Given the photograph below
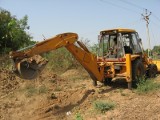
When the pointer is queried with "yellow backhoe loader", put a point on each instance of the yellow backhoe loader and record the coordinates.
(120, 56)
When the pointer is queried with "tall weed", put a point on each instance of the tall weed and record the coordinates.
(145, 86)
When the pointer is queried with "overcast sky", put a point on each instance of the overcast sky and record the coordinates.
(86, 17)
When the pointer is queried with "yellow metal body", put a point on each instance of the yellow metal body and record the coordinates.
(128, 68)
(125, 71)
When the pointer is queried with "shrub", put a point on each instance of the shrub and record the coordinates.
(103, 106)
(61, 60)
(145, 86)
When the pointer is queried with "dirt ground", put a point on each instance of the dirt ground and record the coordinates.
(65, 96)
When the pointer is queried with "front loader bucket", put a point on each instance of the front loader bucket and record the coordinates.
(30, 68)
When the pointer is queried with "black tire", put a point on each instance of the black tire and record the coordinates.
(107, 81)
(152, 71)
(137, 71)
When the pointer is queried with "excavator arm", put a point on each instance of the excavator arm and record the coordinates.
(28, 64)
(56, 42)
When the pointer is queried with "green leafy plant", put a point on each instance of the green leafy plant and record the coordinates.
(103, 106)
(61, 60)
(79, 116)
(13, 32)
(145, 86)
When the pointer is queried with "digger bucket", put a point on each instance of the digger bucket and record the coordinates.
(30, 68)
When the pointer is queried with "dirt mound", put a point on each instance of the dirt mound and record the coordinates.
(8, 82)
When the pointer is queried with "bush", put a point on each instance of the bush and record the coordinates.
(145, 86)
(103, 106)
(61, 60)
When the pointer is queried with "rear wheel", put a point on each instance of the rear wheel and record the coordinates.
(137, 71)
(107, 81)
(152, 71)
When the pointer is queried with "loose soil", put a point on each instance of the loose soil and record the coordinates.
(65, 96)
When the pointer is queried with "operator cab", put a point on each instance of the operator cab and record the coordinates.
(116, 43)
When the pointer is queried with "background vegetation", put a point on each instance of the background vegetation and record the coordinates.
(61, 60)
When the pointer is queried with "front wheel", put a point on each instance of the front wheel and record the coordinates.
(107, 81)
(137, 71)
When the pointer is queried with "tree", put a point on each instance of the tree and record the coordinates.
(156, 49)
(156, 52)
(94, 49)
(13, 33)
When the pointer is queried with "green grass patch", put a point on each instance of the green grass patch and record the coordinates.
(146, 86)
(103, 106)
(78, 116)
